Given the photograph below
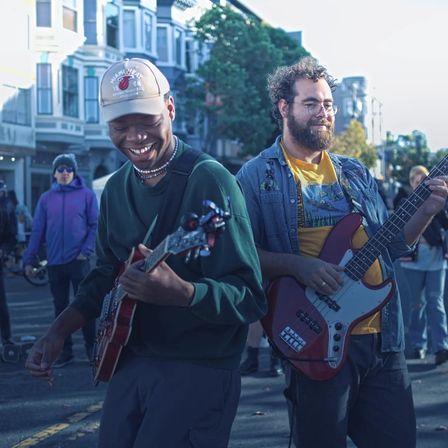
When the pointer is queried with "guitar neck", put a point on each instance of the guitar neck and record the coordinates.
(159, 254)
(364, 258)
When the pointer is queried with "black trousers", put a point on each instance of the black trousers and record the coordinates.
(369, 400)
(168, 404)
(5, 324)
(61, 276)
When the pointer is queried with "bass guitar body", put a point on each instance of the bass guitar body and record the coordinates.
(310, 330)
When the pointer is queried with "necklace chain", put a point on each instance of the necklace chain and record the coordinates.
(149, 174)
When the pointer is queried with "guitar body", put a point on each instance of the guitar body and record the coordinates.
(310, 330)
(194, 238)
(114, 329)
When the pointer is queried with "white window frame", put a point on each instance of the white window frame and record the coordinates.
(71, 5)
(48, 90)
(119, 26)
(169, 44)
(78, 91)
(153, 42)
(94, 100)
(136, 28)
(181, 62)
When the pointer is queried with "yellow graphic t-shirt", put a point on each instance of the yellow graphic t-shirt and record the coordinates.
(324, 204)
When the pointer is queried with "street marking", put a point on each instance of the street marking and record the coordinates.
(87, 429)
(42, 435)
(58, 427)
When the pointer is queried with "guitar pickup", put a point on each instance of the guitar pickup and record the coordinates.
(292, 339)
(306, 319)
(332, 304)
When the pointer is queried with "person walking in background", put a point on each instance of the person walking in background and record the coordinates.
(424, 270)
(299, 195)
(65, 220)
(8, 231)
(23, 216)
(24, 223)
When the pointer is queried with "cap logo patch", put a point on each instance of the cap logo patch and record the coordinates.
(124, 83)
(127, 83)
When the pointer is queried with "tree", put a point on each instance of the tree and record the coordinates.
(407, 151)
(353, 143)
(234, 98)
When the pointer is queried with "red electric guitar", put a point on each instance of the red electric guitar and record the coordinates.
(194, 238)
(311, 330)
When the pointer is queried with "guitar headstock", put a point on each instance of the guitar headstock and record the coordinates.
(197, 234)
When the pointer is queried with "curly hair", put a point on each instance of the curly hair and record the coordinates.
(281, 82)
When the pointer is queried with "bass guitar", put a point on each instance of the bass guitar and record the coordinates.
(195, 237)
(311, 330)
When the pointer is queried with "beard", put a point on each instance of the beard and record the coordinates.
(306, 136)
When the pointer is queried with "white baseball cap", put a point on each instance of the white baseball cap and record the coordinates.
(132, 86)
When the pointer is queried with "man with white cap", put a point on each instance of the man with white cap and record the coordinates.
(177, 382)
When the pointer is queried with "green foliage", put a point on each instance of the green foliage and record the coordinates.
(353, 143)
(405, 152)
(440, 154)
(234, 96)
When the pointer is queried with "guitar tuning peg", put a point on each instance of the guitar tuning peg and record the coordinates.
(189, 221)
(209, 204)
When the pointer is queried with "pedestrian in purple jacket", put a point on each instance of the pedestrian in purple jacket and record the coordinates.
(65, 220)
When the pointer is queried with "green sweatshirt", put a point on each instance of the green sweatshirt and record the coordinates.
(228, 291)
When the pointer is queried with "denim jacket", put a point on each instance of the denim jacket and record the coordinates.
(271, 198)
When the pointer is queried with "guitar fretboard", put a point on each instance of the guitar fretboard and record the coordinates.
(364, 258)
(158, 255)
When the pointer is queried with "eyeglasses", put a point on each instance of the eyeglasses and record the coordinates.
(61, 169)
(314, 108)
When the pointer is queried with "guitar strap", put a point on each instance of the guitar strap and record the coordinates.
(181, 169)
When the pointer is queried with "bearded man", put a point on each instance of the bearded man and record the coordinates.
(297, 192)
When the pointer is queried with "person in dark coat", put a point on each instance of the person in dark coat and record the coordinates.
(8, 229)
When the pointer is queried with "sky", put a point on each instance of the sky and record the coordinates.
(400, 46)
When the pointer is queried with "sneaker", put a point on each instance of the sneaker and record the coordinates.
(63, 360)
(441, 357)
(419, 353)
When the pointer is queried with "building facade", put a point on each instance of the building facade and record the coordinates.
(49, 102)
(350, 97)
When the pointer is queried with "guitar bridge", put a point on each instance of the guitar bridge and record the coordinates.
(292, 339)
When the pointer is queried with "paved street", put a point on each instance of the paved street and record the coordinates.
(67, 415)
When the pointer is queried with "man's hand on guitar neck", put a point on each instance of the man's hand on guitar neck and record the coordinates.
(319, 275)
(161, 286)
(438, 197)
